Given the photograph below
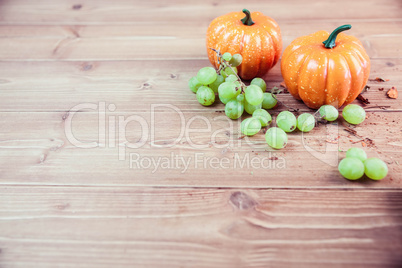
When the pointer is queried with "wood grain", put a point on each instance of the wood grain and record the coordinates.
(71, 198)
(38, 150)
(105, 12)
(199, 227)
(135, 85)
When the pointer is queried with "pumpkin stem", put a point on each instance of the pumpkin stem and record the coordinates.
(330, 42)
(247, 19)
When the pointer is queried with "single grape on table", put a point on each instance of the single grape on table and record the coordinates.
(328, 112)
(375, 168)
(351, 168)
(305, 122)
(276, 138)
(264, 117)
(356, 153)
(286, 121)
(250, 126)
(354, 114)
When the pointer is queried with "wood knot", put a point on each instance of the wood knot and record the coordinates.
(146, 85)
(65, 116)
(173, 76)
(87, 67)
(242, 201)
(62, 206)
(77, 7)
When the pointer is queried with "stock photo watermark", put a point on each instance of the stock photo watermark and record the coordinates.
(112, 133)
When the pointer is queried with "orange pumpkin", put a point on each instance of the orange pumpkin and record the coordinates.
(256, 37)
(325, 69)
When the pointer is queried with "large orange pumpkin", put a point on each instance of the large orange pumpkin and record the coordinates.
(325, 69)
(256, 37)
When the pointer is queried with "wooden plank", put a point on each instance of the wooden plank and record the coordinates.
(192, 28)
(136, 85)
(170, 41)
(100, 226)
(146, 47)
(67, 11)
(190, 149)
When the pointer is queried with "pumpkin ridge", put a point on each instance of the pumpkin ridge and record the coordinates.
(326, 78)
(307, 55)
(299, 82)
(352, 78)
(272, 61)
(339, 91)
(352, 96)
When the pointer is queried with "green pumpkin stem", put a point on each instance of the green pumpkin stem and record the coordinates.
(247, 19)
(330, 42)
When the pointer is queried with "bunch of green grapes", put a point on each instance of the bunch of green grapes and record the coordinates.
(210, 84)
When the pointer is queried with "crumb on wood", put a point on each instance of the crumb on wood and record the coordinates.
(364, 100)
(392, 93)
(379, 79)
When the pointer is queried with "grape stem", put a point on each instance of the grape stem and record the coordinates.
(290, 109)
(223, 64)
(319, 118)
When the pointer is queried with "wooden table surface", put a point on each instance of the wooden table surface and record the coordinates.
(108, 160)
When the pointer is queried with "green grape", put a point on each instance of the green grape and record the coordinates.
(269, 101)
(286, 121)
(328, 112)
(207, 75)
(234, 109)
(375, 168)
(260, 83)
(236, 60)
(240, 97)
(225, 100)
(227, 90)
(264, 117)
(227, 56)
(357, 153)
(205, 96)
(250, 108)
(354, 114)
(228, 71)
(305, 122)
(194, 84)
(231, 78)
(215, 85)
(276, 138)
(250, 126)
(351, 168)
(254, 95)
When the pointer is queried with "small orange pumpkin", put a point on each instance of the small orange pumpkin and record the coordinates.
(256, 37)
(325, 69)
